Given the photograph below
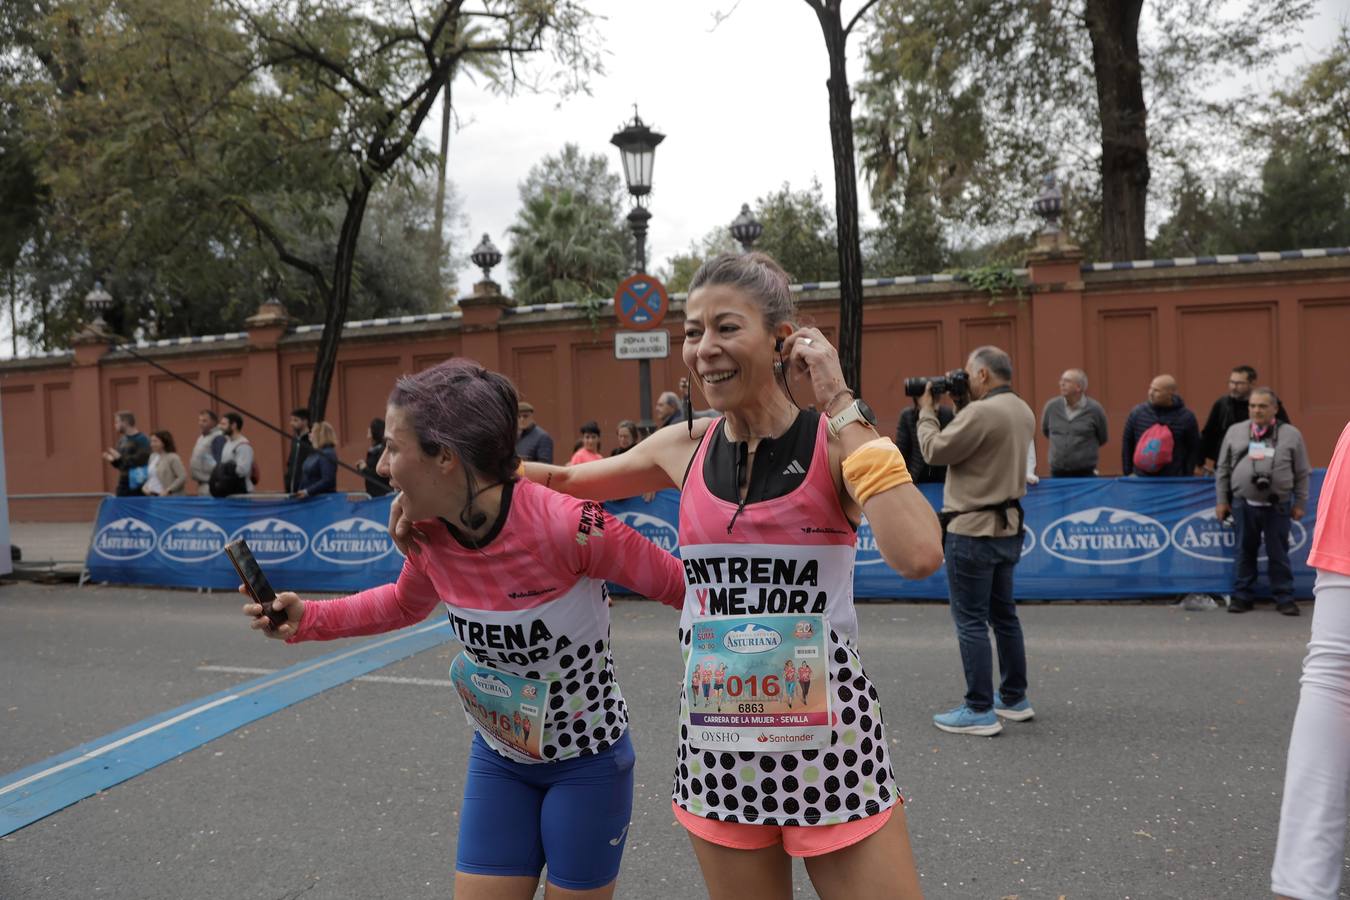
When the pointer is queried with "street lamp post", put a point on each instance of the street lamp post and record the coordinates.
(746, 229)
(637, 151)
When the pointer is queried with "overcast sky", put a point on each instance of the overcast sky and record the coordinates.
(742, 105)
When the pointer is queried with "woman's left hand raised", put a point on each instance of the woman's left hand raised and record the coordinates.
(810, 355)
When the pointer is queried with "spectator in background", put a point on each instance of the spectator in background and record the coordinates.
(206, 452)
(589, 451)
(130, 457)
(907, 439)
(235, 472)
(627, 436)
(1161, 436)
(1226, 412)
(301, 448)
(982, 518)
(668, 409)
(319, 475)
(1076, 427)
(167, 478)
(533, 443)
(1262, 478)
(376, 484)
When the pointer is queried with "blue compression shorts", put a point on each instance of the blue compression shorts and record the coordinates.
(571, 815)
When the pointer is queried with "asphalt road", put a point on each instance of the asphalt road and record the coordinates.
(1153, 768)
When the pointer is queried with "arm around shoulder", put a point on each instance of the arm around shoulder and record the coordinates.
(657, 463)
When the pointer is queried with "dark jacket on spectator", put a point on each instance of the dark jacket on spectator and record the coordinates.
(301, 448)
(133, 451)
(319, 473)
(376, 486)
(535, 445)
(907, 439)
(1185, 436)
(1223, 415)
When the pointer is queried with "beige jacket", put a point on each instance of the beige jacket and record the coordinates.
(171, 474)
(985, 451)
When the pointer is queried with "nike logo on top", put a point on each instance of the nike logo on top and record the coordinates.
(794, 468)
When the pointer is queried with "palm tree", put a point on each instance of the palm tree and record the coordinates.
(564, 249)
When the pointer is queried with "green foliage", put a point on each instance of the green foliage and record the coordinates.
(201, 155)
(1300, 195)
(799, 232)
(995, 279)
(964, 104)
(563, 249)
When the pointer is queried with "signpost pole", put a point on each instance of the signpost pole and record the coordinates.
(637, 220)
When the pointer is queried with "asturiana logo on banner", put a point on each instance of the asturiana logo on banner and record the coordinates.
(866, 545)
(192, 540)
(352, 542)
(657, 530)
(752, 638)
(123, 539)
(273, 540)
(1028, 541)
(1202, 536)
(1104, 536)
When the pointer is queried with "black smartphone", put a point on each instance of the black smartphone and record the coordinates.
(251, 574)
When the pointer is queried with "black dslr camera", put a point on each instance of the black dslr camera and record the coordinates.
(956, 382)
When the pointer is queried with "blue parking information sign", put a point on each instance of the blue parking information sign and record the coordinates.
(641, 302)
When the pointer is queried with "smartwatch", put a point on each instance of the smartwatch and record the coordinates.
(857, 411)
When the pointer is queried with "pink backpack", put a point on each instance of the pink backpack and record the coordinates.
(1154, 450)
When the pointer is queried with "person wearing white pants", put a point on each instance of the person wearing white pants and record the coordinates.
(1310, 851)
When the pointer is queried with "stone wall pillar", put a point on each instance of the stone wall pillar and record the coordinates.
(481, 341)
(1057, 336)
(262, 388)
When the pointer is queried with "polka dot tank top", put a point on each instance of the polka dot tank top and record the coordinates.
(795, 548)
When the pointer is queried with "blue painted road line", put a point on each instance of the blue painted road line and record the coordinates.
(41, 789)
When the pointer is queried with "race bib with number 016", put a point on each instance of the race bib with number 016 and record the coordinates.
(758, 683)
(507, 708)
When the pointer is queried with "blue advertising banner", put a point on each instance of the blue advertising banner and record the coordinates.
(1086, 539)
(324, 543)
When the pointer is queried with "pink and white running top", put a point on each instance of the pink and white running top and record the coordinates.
(530, 600)
(790, 553)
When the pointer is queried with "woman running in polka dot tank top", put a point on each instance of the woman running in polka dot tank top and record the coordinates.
(767, 540)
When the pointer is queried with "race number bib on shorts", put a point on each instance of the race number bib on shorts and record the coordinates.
(758, 683)
(506, 707)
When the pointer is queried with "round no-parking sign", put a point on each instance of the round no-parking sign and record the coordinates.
(641, 302)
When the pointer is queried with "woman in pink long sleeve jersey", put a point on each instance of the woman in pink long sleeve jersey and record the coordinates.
(767, 539)
(521, 571)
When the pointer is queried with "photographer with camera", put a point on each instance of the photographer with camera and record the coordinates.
(985, 451)
(1261, 478)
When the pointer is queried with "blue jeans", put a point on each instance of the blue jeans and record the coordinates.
(980, 582)
(1268, 525)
